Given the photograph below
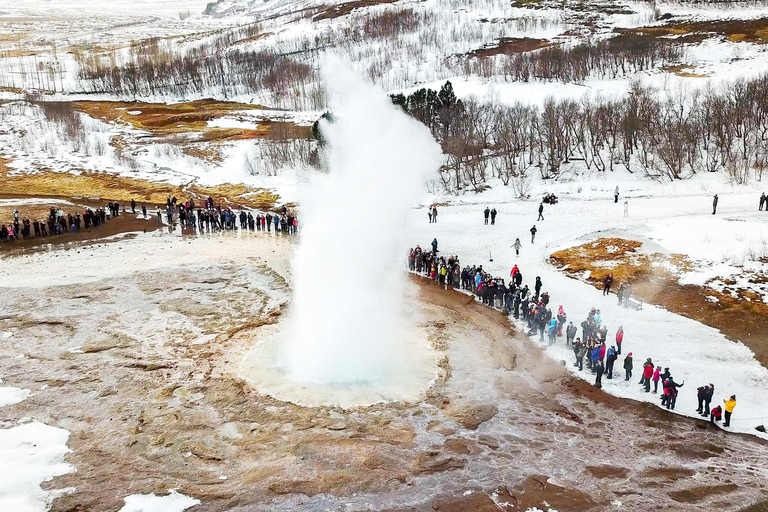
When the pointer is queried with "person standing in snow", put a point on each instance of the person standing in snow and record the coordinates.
(645, 378)
(708, 399)
(729, 406)
(429, 214)
(700, 397)
(541, 211)
(655, 378)
(570, 333)
(486, 213)
(610, 360)
(616, 195)
(533, 233)
(599, 375)
(619, 339)
(714, 205)
(493, 216)
(626, 208)
(717, 412)
(607, 284)
(434, 214)
(537, 287)
(762, 201)
(517, 245)
(434, 246)
(628, 366)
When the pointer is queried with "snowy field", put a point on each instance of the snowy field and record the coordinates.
(676, 221)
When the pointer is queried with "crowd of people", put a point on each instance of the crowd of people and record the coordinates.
(56, 223)
(209, 217)
(212, 217)
(532, 306)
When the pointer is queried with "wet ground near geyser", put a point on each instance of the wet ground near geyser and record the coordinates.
(139, 360)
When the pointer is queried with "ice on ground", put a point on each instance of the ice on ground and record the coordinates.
(10, 395)
(30, 453)
(173, 502)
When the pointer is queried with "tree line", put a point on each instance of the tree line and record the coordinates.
(661, 134)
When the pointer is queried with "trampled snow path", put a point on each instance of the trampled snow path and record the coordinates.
(695, 353)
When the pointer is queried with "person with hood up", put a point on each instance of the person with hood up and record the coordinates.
(730, 404)
(537, 287)
(655, 378)
(514, 271)
(434, 246)
(762, 201)
(715, 415)
(628, 366)
(610, 360)
(561, 317)
(552, 331)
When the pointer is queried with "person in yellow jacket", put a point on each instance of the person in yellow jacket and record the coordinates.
(729, 405)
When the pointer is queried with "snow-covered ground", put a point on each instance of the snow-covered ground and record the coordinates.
(678, 219)
(31, 453)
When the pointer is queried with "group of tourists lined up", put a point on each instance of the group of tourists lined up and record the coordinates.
(57, 223)
(532, 306)
(213, 217)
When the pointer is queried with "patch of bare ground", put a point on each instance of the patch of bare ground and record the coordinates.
(683, 70)
(112, 187)
(735, 316)
(696, 494)
(510, 46)
(750, 31)
(151, 406)
(169, 120)
(340, 10)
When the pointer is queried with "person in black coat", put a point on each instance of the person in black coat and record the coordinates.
(541, 211)
(537, 286)
(708, 392)
(599, 375)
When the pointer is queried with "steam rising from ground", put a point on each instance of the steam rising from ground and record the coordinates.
(346, 323)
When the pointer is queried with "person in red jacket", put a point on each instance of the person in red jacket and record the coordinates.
(647, 374)
(715, 415)
(619, 339)
(602, 352)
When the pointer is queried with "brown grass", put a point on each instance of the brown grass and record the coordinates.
(604, 256)
(340, 10)
(683, 70)
(751, 31)
(162, 120)
(511, 46)
(47, 183)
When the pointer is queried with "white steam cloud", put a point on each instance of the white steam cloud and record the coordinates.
(346, 318)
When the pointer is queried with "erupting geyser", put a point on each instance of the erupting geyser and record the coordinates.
(353, 334)
(346, 321)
